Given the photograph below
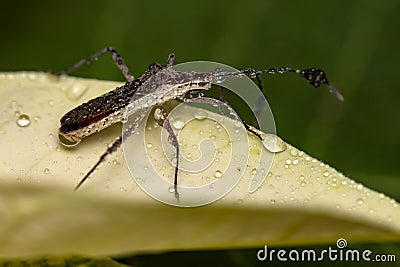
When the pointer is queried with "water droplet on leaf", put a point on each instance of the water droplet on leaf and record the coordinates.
(273, 143)
(23, 120)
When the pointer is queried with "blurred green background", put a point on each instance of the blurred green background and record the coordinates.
(355, 42)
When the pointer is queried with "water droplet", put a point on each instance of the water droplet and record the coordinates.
(254, 171)
(218, 174)
(23, 120)
(276, 194)
(360, 187)
(288, 161)
(212, 185)
(51, 102)
(66, 142)
(360, 201)
(200, 115)
(171, 189)
(371, 211)
(238, 124)
(149, 145)
(79, 158)
(178, 124)
(212, 137)
(124, 119)
(381, 196)
(295, 162)
(326, 174)
(46, 171)
(273, 143)
(76, 91)
(303, 183)
(337, 206)
(158, 116)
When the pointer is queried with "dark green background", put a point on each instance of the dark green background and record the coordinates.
(356, 42)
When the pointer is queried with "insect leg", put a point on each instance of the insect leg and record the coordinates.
(215, 101)
(170, 60)
(172, 138)
(114, 146)
(115, 56)
(221, 93)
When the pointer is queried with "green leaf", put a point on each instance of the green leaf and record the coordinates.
(302, 200)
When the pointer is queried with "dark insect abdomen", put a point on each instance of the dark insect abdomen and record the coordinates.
(97, 108)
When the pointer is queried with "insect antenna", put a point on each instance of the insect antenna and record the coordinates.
(313, 76)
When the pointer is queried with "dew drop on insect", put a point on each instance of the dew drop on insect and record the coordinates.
(158, 115)
(23, 120)
(149, 145)
(200, 115)
(360, 201)
(125, 119)
(67, 143)
(46, 171)
(254, 171)
(273, 143)
(217, 174)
